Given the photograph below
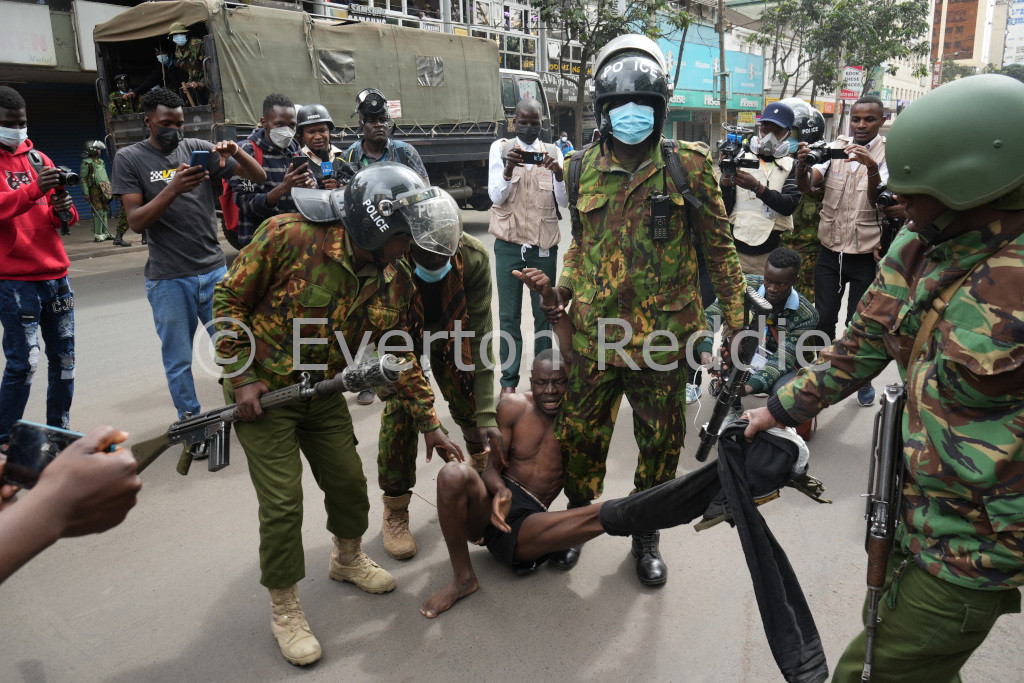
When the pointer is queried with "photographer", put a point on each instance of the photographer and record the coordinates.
(172, 201)
(83, 491)
(314, 125)
(35, 294)
(377, 144)
(849, 229)
(758, 213)
(273, 145)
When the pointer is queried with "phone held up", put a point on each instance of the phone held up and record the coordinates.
(300, 160)
(31, 448)
(200, 157)
(531, 157)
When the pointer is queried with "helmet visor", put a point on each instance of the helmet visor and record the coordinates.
(433, 218)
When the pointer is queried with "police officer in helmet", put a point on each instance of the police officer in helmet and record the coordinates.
(624, 265)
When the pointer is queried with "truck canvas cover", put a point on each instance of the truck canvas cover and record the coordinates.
(430, 76)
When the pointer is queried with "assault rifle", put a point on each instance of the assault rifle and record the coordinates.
(755, 311)
(213, 428)
(885, 491)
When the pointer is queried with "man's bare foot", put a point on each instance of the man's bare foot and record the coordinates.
(446, 597)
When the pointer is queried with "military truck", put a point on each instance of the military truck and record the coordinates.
(444, 91)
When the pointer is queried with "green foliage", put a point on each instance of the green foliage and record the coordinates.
(1011, 70)
(952, 71)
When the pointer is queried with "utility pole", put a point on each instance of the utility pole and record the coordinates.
(837, 109)
(723, 99)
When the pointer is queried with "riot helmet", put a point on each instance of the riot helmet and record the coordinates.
(986, 160)
(370, 102)
(313, 113)
(383, 200)
(94, 146)
(808, 123)
(628, 67)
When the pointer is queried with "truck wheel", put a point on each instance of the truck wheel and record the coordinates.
(480, 202)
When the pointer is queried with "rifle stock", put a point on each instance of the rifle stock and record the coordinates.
(755, 309)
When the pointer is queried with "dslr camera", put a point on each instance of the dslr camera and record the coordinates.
(820, 152)
(733, 150)
(890, 226)
(883, 197)
(67, 177)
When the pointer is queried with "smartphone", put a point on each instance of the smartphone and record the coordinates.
(300, 160)
(32, 447)
(531, 157)
(200, 157)
(837, 153)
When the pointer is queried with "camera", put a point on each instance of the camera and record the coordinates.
(733, 148)
(820, 152)
(884, 197)
(67, 177)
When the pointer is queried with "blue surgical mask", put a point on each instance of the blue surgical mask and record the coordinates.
(179, 38)
(13, 137)
(163, 59)
(632, 123)
(428, 275)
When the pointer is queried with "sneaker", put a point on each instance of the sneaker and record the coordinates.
(365, 397)
(866, 396)
(692, 393)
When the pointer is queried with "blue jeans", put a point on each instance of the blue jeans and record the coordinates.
(28, 309)
(178, 305)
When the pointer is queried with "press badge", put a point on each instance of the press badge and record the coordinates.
(768, 213)
(760, 359)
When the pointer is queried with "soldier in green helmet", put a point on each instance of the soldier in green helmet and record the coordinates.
(96, 186)
(958, 563)
(641, 274)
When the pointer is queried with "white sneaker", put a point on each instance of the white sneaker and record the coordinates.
(692, 393)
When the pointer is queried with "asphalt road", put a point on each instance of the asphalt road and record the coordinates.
(173, 593)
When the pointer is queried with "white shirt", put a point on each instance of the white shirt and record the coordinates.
(883, 168)
(498, 188)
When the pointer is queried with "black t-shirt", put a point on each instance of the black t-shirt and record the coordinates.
(183, 242)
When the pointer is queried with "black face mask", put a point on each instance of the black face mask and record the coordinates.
(528, 134)
(168, 138)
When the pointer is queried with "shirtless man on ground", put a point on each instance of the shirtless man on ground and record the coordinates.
(507, 504)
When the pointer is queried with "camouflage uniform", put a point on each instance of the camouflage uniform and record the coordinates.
(189, 58)
(804, 240)
(96, 186)
(470, 395)
(293, 269)
(963, 430)
(615, 270)
(121, 107)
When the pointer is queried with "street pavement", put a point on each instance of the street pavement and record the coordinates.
(173, 593)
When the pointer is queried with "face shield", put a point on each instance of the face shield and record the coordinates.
(433, 218)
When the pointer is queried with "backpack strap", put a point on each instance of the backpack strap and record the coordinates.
(572, 187)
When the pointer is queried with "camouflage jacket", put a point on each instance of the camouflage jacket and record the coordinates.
(119, 106)
(615, 270)
(963, 429)
(293, 270)
(190, 58)
(804, 237)
(797, 316)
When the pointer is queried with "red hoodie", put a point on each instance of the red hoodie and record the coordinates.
(30, 246)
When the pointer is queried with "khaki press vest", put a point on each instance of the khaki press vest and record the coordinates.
(849, 221)
(528, 214)
(749, 223)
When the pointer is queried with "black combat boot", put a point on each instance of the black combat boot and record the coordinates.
(649, 567)
(567, 559)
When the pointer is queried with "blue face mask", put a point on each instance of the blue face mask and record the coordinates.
(179, 38)
(632, 123)
(428, 275)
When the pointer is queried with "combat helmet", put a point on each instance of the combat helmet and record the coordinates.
(985, 159)
(631, 65)
(313, 113)
(383, 200)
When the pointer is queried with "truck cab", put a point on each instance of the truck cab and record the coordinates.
(517, 85)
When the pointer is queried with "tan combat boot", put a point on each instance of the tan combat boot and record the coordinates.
(478, 461)
(350, 563)
(398, 540)
(288, 623)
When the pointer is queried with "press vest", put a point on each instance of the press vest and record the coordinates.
(849, 221)
(751, 219)
(529, 213)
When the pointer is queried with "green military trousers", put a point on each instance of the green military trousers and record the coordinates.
(587, 420)
(928, 628)
(322, 429)
(399, 438)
